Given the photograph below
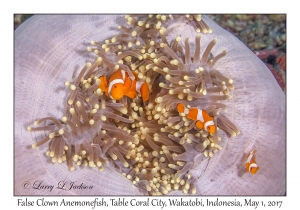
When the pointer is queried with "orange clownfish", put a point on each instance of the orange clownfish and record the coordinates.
(120, 85)
(251, 165)
(203, 120)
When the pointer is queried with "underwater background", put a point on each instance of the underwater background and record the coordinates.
(264, 34)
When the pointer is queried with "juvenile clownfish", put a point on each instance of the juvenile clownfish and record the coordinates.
(203, 120)
(251, 165)
(120, 85)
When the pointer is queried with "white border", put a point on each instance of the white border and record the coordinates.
(116, 6)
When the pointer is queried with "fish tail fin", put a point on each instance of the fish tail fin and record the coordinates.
(145, 92)
(180, 108)
(103, 84)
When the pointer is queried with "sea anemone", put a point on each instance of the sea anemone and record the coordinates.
(129, 146)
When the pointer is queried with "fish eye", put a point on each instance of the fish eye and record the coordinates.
(115, 86)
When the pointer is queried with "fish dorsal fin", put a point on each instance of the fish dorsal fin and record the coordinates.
(193, 113)
(206, 117)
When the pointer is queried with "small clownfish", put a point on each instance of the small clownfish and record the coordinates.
(203, 120)
(120, 85)
(251, 165)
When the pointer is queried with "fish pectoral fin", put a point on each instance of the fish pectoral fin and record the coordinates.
(103, 84)
(199, 124)
(131, 94)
